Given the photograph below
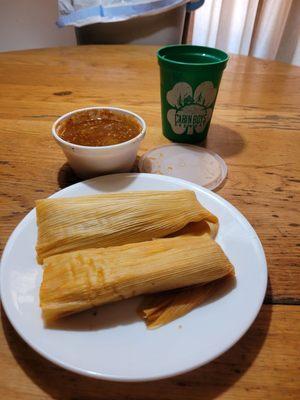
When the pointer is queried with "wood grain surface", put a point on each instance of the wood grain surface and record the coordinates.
(255, 128)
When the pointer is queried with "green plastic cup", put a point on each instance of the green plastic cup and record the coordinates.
(190, 77)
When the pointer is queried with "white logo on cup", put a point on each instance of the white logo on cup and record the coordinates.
(191, 112)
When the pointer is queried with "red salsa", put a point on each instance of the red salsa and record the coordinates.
(98, 128)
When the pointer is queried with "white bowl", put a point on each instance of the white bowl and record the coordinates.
(89, 161)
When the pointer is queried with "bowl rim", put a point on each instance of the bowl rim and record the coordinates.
(112, 146)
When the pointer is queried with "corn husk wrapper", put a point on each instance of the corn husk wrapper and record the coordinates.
(161, 308)
(79, 280)
(104, 220)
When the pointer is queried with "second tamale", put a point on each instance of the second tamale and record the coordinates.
(79, 280)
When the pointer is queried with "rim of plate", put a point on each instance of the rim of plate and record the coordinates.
(117, 378)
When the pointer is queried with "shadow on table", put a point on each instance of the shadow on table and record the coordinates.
(211, 380)
(224, 141)
(67, 177)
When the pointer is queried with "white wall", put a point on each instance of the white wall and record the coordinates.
(28, 24)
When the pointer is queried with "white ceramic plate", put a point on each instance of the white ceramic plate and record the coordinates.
(112, 342)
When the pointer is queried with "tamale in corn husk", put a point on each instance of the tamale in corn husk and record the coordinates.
(79, 280)
(161, 308)
(104, 220)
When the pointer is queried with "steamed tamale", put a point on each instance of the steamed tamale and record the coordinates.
(79, 280)
(161, 308)
(104, 220)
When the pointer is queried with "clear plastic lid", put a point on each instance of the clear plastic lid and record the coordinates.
(192, 163)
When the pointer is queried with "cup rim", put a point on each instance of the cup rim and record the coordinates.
(190, 64)
(112, 146)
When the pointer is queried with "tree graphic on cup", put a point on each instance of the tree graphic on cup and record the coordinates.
(190, 112)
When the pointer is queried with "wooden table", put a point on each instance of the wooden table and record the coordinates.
(255, 128)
